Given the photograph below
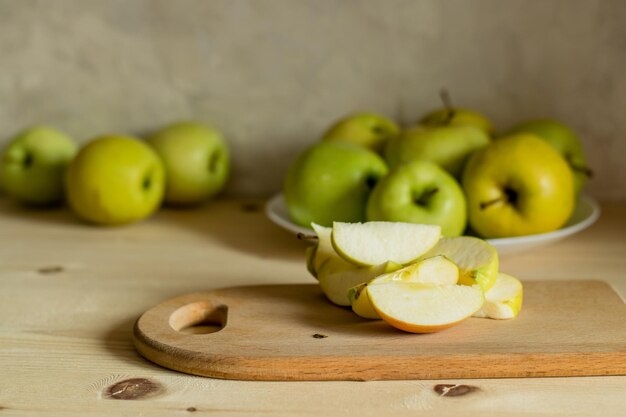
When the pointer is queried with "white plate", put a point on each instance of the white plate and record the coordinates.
(586, 213)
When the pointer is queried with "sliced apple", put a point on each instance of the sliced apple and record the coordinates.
(424, 308)
(322, 251)
(436, 270)
(336, 277)
(361, 304)
(324, 246)
(477, 260)
(503, 300)
(373, 243)
(309, 255)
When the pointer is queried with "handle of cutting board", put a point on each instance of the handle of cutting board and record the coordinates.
(197, 313)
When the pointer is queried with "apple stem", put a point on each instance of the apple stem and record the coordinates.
(582, 169)
(302, 236)
(28, 160)
(422, 200)
(444, 94)
(492, 202)
(510, 195)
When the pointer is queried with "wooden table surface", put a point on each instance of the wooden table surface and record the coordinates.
(70, 293)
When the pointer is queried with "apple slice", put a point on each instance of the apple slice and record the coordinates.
(309, 255)
(324, 246)
(424, 308)
(373, 243)
(476, 259)
(317, 255)
(360, 301)
(336, 277)
(503, 300)
(436, 270)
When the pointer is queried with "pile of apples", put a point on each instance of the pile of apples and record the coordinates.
(410, 276)
(448, 170)
(116, 179)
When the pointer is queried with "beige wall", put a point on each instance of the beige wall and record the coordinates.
(272, 74)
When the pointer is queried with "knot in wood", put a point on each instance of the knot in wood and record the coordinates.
(133, 389)
(454, 390)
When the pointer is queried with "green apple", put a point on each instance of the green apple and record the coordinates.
(476, 259)
(420, 192)
(337, 277)
(373, 243)
(195, 159)
(436, 270)
(115, 180)
(565, 141)
(449, 146)
(518, 185)
(34, 164)
(365, 129)
(457, 116)
(332, 181)
(504, 300)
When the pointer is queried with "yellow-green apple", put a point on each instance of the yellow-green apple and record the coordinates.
(503, 300)
(420, 192)
(332, 181)
(476, 259)
(457, 116)
(436, 270)
(34, 164)
(365, 129)
(373, 243)
(196, 161)
(565, 141)
(449, 146)
(518, 185)
(424, 308)
(115, 180)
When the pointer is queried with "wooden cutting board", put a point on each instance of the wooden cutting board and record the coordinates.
(291, 332)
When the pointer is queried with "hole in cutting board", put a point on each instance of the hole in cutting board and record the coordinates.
(199, 318)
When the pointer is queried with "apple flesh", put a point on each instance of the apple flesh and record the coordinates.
(518, 185)
(331, 181)
(423, 308)
(504, 300)
(336, 278)
(476, 259)
(115, 180)
(323, 251)
(420, 192)
(324, 248)
(437, 270)
(196, 162)
(365, 129)
(373, 243)
(360, 302)
(34, 165)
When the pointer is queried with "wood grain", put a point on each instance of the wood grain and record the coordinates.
(66, 336)
(290, 332)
